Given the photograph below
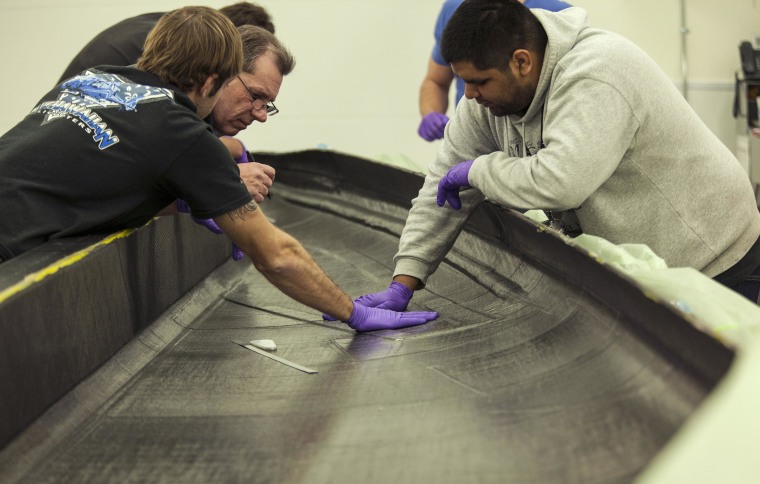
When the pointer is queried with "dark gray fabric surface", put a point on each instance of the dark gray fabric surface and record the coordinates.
(74, 317)
(524, 379)
(545, 366)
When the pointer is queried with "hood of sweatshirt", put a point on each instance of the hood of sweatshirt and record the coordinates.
(563, 28)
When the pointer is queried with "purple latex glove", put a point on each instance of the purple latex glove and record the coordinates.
(244, 157)
(209, 223)
(183, 207)
(372, 319)
(448, 187)
(395, 298)
(432, 126)
(237, 253)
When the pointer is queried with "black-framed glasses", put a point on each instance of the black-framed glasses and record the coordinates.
(259, 104)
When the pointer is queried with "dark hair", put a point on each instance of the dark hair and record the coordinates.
(245, 13)
(189, 44)
(487, 32)
(257, 41)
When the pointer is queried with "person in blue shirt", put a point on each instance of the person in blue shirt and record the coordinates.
(434, 91)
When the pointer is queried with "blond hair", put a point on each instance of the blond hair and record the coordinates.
(189, 44)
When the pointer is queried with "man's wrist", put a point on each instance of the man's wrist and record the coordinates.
(411, 282)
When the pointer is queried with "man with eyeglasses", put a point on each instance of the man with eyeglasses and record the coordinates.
(250, 97)
(257, 103)
(247, 98)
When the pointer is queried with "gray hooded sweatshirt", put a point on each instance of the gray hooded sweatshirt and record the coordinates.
(608, 143)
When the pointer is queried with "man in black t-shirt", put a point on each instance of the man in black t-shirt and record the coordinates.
(109, 149)
(122, 43)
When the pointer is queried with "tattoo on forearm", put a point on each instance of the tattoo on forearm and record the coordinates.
(241, 212)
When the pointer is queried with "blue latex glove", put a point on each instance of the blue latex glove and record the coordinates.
(209, 223)
(372, 319)
(395, 298)
(432, 126)
(448, 187)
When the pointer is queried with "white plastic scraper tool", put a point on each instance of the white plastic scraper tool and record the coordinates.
(250, 346)
(264, 344)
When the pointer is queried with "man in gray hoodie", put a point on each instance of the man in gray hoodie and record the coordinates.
(581, 123)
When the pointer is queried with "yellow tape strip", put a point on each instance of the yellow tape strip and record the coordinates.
(38, 276)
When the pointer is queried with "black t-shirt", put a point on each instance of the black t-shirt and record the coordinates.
(107, 151)
(118, 45)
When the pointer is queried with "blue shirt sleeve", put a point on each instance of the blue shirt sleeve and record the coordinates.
(551, 5)
(449, 6)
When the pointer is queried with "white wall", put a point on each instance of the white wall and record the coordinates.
(360, 62)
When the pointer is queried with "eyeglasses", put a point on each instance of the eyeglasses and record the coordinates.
(258, 104)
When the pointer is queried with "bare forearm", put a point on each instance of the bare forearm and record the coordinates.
(286, 264)
(297, 275)
(234, 146)
(411, 282)
(434, 91)
(433, 98)
(284, 261)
